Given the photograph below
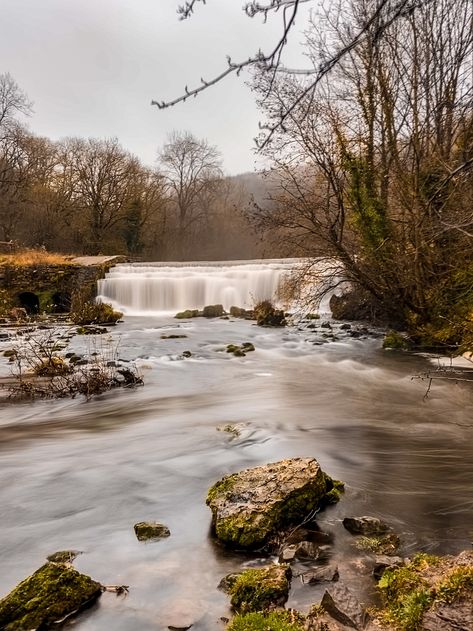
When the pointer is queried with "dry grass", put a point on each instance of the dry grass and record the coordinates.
(35, 257)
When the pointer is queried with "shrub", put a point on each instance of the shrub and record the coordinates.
(267, 315)
(96, 313)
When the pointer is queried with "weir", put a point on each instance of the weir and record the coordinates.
(145, 288)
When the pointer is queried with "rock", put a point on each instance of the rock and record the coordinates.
(339, 602)
(237, 312)
(429, 593)
(454, 616)
(396, 340)
(10, 353)
(345, 327)
(173, 336)
(307, 550)
(383, 544)
(235, 430)
(228, 581)
(18, 313)
(248, 347)
(52, 594)
(288, 553)
(186, 354)
(213, 311)
(188, 313)
(324, 574)
(250, 506)
(267, 315)
(384, 562)
(326, 325)
(365, 525)
(150, 530)
(260, 589)
(63, 556)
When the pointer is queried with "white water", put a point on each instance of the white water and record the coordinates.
(146, 288)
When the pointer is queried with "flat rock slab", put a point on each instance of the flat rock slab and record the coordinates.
(97, 260)
(248, 507)
(339, 602)
(51, 594)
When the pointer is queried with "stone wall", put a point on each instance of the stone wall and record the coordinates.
(52, 288)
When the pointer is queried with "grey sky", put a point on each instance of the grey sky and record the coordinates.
(92, 67)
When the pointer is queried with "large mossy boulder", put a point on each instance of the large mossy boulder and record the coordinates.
(51, 594)
(260, 589)
(250, 506)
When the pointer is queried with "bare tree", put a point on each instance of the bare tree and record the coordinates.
(13, 102)
(374, 165)
(192, 171)
(380, 16)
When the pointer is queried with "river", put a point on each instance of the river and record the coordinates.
(78, 475)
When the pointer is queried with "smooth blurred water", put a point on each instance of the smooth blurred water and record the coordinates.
(79, 475)
(144, 288)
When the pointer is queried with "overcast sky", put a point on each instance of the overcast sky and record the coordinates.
(91, 67)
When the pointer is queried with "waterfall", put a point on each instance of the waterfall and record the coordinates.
(145, 288)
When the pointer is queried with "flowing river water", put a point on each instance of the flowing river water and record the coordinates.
(78, 475)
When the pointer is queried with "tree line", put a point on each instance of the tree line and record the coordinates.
(373, 167)
(92, 196)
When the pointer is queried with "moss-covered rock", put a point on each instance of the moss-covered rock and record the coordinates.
(150, 530)
(213, 311)
(96, 313)
(274, 620)
(52, 593)
(260, 589)
(387, 544)
(396, 341)
(188, 313)
(250, 506)
(267, 315)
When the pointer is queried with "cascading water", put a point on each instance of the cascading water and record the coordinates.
(144, 288)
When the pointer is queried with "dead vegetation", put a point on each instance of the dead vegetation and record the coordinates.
(34, 256)
(40, 370)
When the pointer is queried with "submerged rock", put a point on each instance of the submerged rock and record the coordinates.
(382, 544)
(250, 506)
(323, 574)
(365, 525)
(63, 556)
(188, 313)
(149, 530)
(50, 595)
(260, 589)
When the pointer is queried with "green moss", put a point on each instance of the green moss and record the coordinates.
(96, 313)
(382, 544)
(52, 593)
(395, 340)
(151, 530)
(455, 584)
(407, 596)
(274, 621)
(257, 590)
(188, 313)
(252, 529)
